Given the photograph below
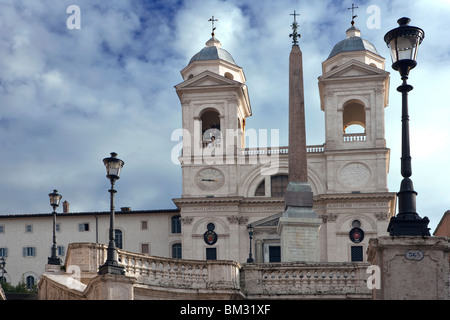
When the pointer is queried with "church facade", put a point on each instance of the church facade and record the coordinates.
(230, 190)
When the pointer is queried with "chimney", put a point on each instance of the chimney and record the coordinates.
(65, 207)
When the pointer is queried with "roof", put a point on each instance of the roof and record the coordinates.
(353, 43)
(93, 213)
(213, 51)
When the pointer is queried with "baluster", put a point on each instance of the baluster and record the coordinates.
(205, 273)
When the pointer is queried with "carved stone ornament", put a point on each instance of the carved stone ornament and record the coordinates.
(236, 219)
(328, 217)
(186, 220)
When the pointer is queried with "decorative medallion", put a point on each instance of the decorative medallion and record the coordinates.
(354, 175)
(210, 236)
(356, 235)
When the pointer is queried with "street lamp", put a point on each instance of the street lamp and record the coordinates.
(404, 42)
(55, 198)
(113, 167)
(250, 236)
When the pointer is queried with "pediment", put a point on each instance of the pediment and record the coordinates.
(206, 79)
(270, 221)
(353, 69)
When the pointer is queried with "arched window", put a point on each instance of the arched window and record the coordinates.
(118, 238)
(278, 185)
(30, 282)
(229, 75)
(176, 251)
(176, 224)
(261, 190)
(354, 118)
(210, 128)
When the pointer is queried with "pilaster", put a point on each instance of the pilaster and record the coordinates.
(410, 268)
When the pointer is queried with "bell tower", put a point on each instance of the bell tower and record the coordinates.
(215, 103)
(354, 90)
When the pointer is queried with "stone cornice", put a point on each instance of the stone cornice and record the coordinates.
(346, 197)
(227, 200)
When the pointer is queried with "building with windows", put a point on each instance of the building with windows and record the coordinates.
(26, 239)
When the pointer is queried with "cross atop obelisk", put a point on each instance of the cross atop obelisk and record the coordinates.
(294, 35)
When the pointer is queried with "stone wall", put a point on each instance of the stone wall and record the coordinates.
(305, 281)
(412, 268)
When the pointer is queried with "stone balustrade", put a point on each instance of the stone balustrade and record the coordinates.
(279, 150)
(306, 281)
(173, 273)
(355, 137)
(253, 281)
(158, 272)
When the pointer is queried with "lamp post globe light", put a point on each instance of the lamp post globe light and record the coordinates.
(111, 266)
(403, 43)
(55, 198)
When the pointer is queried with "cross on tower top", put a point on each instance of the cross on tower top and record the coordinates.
(353, 13)
(294, 14)
(294, 35)
(212, 25)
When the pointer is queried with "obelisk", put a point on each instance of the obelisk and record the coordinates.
(299, 224)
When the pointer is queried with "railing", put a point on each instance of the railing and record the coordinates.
(280, 150)
(179, 273)
(354, 137)
(268, 150)
(307, 280)
(211, 144)
(158, 271)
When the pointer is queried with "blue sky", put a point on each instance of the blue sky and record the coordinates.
(70, 97)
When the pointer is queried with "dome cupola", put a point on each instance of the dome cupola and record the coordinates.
(213, 51)
(353, 42)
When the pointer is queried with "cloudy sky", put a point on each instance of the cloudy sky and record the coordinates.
(69, 97)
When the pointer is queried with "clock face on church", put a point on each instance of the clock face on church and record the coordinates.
(209, 179)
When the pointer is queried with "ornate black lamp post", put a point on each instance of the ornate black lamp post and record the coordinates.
(250, 236)
(404, 42)
(113, 167)
(55, 198)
